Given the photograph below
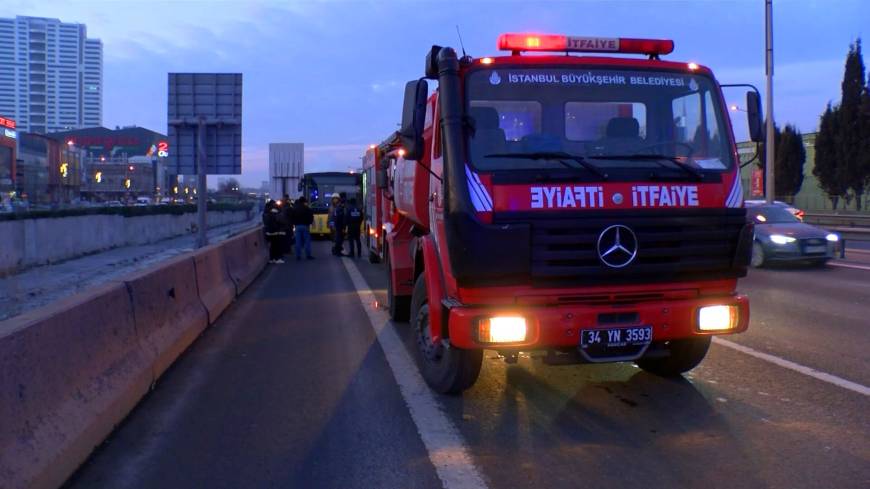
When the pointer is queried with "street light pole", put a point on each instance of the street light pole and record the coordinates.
(201, 185)
(769, 187)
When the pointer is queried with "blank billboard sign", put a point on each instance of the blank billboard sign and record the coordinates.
(215, 100)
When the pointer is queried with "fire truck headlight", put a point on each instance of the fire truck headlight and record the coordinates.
(717, 318)
(502, 329)
(832, 237)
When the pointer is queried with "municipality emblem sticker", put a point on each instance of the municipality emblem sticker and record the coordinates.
(693, 85)
(494, 79)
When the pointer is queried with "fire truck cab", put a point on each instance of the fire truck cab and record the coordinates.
(587, 207)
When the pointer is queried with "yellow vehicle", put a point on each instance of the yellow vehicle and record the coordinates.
(318, 188)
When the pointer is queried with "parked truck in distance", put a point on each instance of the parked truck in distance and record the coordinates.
(588, 207)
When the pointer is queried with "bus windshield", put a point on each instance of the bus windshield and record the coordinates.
(611, 118)
(319, 187)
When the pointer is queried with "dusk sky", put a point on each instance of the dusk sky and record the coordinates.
(331, 74)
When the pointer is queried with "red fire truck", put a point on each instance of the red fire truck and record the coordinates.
(586, 207)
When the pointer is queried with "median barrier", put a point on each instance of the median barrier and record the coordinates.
(216, 289)
(72, 370)
(169, 313)
(69, 372)
(246, 256)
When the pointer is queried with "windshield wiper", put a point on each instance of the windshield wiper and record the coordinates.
(655, 157)
(559, 156)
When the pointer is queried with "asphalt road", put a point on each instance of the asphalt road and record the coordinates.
(293, 389)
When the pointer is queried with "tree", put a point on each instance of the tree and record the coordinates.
(790, 156)
(850, 140)
(828, 167)
(865, 133)
(229, 186)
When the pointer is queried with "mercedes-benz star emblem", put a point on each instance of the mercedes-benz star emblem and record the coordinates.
(617, 246)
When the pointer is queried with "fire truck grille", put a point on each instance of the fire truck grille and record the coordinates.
(675, 245)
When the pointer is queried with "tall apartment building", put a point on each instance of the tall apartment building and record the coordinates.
(51, 75)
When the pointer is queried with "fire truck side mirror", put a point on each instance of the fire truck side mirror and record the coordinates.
(413, 116)
(381, 179)
(753, 115)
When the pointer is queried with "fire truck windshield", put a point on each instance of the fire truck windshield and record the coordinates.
(611, 118)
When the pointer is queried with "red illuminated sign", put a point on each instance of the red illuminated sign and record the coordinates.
(162, 149)
(757, 182)
(7, 123)
(106, 141)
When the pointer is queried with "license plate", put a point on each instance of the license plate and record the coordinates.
(611, 344)
(816, 249)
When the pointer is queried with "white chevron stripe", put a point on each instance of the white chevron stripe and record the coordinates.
(477, 192)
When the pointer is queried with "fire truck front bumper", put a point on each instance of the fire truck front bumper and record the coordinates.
(578, 326)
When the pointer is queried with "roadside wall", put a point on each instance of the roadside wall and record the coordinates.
(31, 242)
(71, 371)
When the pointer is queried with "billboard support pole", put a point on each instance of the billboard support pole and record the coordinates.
(201, 186)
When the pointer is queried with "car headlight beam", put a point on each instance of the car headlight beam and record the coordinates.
(780, 239)
(833, 238)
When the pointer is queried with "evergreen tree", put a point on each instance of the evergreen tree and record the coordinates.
(865, 133)
(850, 140)
(828, 168)
(789, 163)
(762, 158)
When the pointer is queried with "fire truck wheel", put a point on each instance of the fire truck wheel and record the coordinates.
(398, 305)
(685, 355)
(757, 260)
(447, 370)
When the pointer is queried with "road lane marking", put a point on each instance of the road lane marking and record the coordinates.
(443, 442)
(848, 265)
(816, 374)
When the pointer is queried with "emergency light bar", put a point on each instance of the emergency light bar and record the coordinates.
(559, 43)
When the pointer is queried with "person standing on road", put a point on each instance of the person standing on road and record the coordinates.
(339, 222)
(354, 226)
(287, 225)
(272, 228)
(303, 218)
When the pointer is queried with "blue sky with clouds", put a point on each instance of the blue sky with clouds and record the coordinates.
(330, 74)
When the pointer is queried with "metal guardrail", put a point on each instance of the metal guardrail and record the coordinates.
(838, 220)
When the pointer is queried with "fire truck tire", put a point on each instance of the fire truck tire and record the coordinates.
(447, 369)
(399, 306)
(685, 355)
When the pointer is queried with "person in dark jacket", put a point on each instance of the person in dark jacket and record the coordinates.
(287, 225)
(339, 219)
(303, 218)
(354, 217)
(272, 228)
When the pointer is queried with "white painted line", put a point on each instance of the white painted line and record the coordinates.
(857, 250)
(849, 265)
(816, 374)
(447, 450)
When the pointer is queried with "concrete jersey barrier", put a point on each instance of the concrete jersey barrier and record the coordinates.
(246, 256)
(69, 373)
(169, 313)
(216, 289)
